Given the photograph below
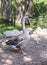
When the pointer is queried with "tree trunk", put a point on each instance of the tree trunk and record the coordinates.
(25, 6)
(6, 10)
(9, 8)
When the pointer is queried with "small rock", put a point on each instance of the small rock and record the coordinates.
(38, 31)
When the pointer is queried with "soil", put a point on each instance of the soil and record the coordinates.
(36, 53)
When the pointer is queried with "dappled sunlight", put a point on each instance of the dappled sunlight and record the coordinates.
(3, 43)
(10, 27)
(6, 56)
(27, 58)
(8, 61)
(1, 25)
(35, 53)
(11, 57)
(36, 49)
(45, 37)
(1, 51)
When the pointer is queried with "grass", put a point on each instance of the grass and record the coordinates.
(5, 26)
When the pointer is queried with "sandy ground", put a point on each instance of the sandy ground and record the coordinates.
(36, 53)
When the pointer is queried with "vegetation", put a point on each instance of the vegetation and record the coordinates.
(39, 18)
(4, 26)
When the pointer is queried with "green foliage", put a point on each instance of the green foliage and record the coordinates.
(4, 26)
(40, 8)
(40, 17)
(39, 21)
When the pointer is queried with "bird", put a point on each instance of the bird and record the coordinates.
(18, 42)
(12, 33)
(16, 33)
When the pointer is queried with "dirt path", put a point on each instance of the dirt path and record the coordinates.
(36, 54)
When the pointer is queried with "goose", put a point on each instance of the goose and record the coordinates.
(20, 44)
(15, 33)
(12, 33)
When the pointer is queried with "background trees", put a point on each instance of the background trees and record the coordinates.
(16, 9)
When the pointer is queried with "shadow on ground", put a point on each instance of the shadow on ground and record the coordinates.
(36, 54)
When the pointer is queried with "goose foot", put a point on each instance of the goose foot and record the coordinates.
(21, 51)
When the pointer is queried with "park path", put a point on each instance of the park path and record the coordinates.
(36, 53)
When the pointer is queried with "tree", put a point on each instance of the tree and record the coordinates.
(14, 10)
(25, 5)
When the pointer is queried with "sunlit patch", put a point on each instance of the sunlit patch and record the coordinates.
(1, 51)
(45, 36)
(27, 58)
(8, 62)
(10, 27)
(3, 44)
(11, 57)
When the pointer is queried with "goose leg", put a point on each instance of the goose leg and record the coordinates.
(22, 51)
